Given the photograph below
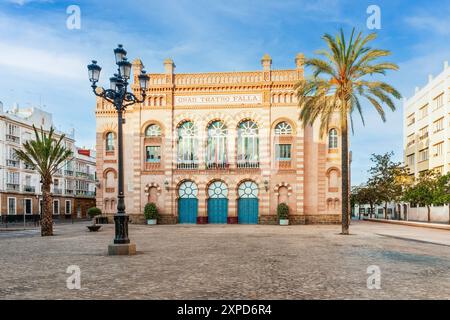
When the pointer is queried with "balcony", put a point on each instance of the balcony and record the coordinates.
(59, 172)
(152, 166)
(68, 172)
(191, 165)
(29, 189)
(13, 163)
(12, 187)
(212, 165)
(28, 167)
(70, 191)
(410, 143)
(57, 191)
(85, 193)
(284, 164)
(247, 164)
(12, 138)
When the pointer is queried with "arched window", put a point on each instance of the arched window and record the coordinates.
(283, 128)
(187, 145)
(218, 189)
(110, 141)
(248, 145)
(332, 139)
(216, 151)
(153, 130)
(188, 190)
(248, 189)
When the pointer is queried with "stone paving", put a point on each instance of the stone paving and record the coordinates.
(229, 262)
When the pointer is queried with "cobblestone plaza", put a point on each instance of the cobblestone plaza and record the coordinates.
(229, 262)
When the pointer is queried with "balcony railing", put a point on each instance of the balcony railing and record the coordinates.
(12, 187)
(284, 164)
(30, 189)
(68, 172)
(187, 165)
(152, 165)
(217, 165)
(13, 138)
(410, 143)
(57, 191)
(69, 191)
(13, 163)
(28, 167)
(85, 193)
(247, 164)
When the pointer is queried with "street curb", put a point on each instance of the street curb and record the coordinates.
(412, 223)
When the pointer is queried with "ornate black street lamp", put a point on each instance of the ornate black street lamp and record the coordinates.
(120, 98)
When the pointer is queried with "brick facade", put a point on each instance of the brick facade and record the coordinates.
(308, 180)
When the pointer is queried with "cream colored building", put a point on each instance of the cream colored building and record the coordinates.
(426, 134)
(220, 147)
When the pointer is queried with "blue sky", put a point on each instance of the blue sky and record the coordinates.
(43, 62)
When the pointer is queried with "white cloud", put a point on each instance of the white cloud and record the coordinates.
(24, 2)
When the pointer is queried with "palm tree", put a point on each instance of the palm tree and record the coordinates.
(339, 81)
(45, 154)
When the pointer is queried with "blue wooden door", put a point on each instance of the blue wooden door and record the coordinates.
(248, 211)
(217, 210)
(217, 202)
(187, 210)
(248, 203)
(187, 202)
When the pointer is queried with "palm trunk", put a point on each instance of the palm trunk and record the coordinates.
(385, 210)
(429, 213)
(47, 217)
(345, 171)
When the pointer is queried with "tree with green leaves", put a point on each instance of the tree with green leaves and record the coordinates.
(430, 188)
(339, 80)
(388, 178)
(46, 153)
(367, 194)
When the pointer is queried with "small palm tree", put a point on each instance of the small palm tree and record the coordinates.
(45, 154)
(338, 82)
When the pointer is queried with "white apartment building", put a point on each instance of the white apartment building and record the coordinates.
(426, 134)
(73, 186)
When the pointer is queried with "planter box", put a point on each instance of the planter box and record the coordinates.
(151, 222)
(93, 228)
(284, 222)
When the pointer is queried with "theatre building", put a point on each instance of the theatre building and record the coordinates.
(220, 147)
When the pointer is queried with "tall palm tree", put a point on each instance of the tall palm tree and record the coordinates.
(45, 154)
(339, 80)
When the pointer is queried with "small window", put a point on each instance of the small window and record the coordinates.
(153, 130)
(332, 139)
(283, 151)
(283, 128)
(152, 154)
(110, 141)
(68, 207)
(56, 207)
(27, 206)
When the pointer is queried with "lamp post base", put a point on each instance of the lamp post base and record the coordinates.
(127, 249)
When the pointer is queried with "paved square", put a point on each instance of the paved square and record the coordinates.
(229, 262)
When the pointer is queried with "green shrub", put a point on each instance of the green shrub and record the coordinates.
(94, 211)
(283, 211)
(151, 211)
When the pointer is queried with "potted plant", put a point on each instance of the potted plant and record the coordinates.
(151, 213)
(283, 214)
(93, 213)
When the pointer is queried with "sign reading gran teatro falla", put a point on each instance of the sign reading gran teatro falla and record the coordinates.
(218, 99)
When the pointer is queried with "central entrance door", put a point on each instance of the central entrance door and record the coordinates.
(217, 202)
(248, 203)
(187, 202)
